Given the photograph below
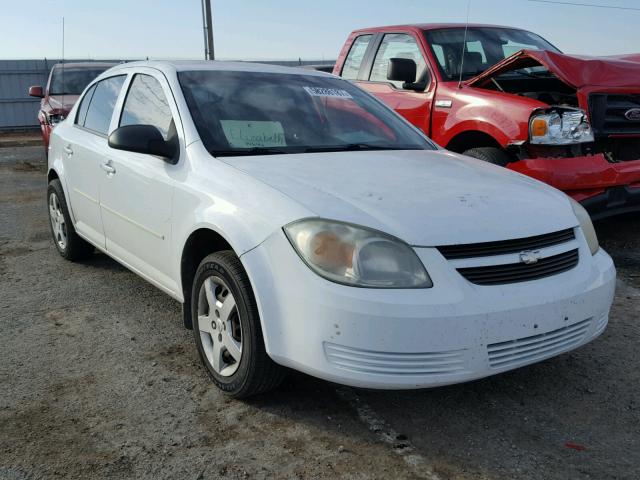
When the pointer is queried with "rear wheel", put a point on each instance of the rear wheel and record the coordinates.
(227, 329)
(69, 245)
(494, 155)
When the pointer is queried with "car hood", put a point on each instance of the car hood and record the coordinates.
(576, 71)
(62, 103)
(426, 198)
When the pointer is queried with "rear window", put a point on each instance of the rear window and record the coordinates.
(354, 59)
(103, 102)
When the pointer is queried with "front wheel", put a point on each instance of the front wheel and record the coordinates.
(227, 330)
(494, 155)
(69, 245)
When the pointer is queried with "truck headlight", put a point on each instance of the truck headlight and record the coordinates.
(586, 225)
(54, 119)
(356, 256)
(560, 127)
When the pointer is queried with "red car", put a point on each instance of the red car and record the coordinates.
(510, 97)
(66, 82)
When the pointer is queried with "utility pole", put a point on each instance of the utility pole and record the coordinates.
(207, 25)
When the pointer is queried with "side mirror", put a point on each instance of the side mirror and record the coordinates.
(401, 70)
(36, 91)
(144, 139)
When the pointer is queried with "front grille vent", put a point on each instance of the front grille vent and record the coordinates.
(512, 353)
(521, 272)
(486, 249)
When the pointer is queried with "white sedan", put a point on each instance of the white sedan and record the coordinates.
(303, 224)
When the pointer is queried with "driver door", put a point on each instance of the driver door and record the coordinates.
(413, 105)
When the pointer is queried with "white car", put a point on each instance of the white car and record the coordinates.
(303, 224)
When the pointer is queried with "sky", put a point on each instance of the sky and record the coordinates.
(286, 29)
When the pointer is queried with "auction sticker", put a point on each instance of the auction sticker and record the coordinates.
(327, 92)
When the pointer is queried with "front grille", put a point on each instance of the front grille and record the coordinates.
(607, 112)
(521, 272)
(395, 363)
(536, 347)
(486, 249)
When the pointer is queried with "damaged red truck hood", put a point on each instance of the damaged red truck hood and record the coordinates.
(576, 71)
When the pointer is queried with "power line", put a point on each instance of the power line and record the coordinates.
(578, 4)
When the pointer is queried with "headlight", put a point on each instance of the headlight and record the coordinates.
(586, 225)
(356, 256)
(562, 127)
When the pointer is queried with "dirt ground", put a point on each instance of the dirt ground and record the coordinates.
(98, 379)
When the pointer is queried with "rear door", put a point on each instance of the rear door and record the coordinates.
(85, 147)
(136, 197)
(414, 105)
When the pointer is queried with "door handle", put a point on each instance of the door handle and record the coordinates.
(107, 167)
(68, 150)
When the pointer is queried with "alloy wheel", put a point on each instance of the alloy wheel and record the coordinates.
(219, 326)
(58, 224)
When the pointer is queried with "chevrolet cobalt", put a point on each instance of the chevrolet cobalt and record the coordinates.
(303, 224)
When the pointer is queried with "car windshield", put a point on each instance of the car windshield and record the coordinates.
(71, 82)
(258, 113)
(483, 48)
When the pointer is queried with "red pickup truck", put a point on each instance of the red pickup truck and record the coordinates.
(510, 97)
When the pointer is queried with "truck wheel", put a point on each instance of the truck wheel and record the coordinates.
(227, 331)
(494, 155)
(69, 245)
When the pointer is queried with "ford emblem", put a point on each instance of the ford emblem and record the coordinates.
(633, 114)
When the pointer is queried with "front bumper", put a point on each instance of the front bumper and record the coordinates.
(401, 339)
(585, 178)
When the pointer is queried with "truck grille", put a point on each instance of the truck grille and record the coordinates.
(608, 114)
(521, 272)
(486, 249)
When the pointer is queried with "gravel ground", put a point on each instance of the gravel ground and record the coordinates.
(98, 379)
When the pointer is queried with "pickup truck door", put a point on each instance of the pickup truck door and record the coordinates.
(136, 193)
(414, 105)
(84, 146)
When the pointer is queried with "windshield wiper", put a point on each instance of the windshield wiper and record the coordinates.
(354, 147)
(250, 151)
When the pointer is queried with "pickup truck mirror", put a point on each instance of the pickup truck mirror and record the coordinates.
(36, 91)
(401, 70)
(144, 139)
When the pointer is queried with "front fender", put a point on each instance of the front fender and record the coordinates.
(503, 116)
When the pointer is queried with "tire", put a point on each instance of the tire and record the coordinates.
(219, 329)
(494, 155)
(68, 243)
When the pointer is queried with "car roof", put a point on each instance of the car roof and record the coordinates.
(85, 65)
(215, 65)
(431, 26)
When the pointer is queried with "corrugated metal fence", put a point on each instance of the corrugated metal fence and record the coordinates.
(19, 110)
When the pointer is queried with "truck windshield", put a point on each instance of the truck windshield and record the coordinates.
(70, 81)
(259, 113)
(484, 47)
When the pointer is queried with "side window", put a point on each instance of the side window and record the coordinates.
(146, 104)
(397, 45)
(354, 59)
(84, 106)
(102, 104)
